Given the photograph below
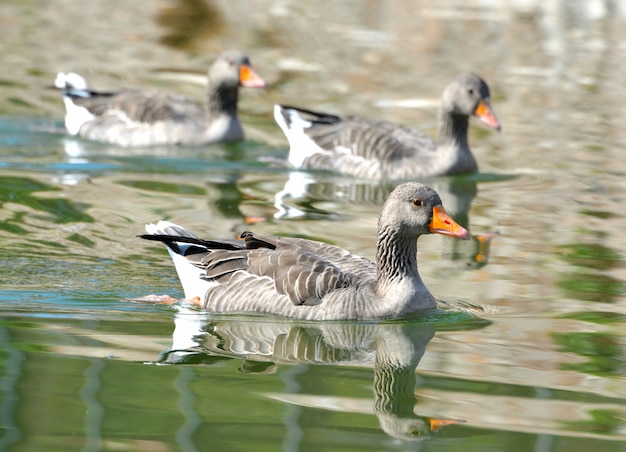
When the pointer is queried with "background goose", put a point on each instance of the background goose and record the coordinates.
(304, 279)
(377, 149)
(145, 118)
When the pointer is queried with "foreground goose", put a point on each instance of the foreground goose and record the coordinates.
(310, 280)
(377, 149)
(144, 118)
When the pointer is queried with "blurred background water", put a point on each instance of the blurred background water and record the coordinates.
(535, 361)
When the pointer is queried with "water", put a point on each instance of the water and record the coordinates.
(528, 351)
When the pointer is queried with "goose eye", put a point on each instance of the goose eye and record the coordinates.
(471, 91)
(417, 202)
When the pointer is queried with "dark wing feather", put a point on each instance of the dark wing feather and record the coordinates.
(219, 263)
(143, 106)
(254, 241)
(354, 267)
(303, 270)
(204, 245)
(297, 272)
(315, 117)
(96, 103)
(371, 140)
(290, 263)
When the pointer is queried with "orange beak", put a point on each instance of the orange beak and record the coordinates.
(483, 247)
(249, 78)
(442, 223)
(484, 112)
(436, 424)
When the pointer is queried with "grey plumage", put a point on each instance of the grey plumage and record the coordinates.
(312, 280)
(135, 117)
(378, 149)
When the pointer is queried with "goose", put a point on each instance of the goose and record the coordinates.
(133, 118)
(309, 280)
(371, 149)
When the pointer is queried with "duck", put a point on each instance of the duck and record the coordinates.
(310, 280)
(138, 118)
(374, 149)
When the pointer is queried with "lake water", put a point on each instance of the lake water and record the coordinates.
(529, 350)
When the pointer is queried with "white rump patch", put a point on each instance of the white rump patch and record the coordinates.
(301, 146)
(75, 116)
(189, 274)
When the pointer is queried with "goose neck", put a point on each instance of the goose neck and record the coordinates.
(453, 129)
(396, 257)
(221, 100)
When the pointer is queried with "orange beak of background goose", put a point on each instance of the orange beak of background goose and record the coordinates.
(442, 223)
(249, 78)
(484, 112)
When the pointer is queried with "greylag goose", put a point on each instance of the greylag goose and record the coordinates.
(310, 280)
(383, 150)
(133, 117)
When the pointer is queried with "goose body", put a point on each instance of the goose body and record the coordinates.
(370, 149)
(133, 117)
(311, 280)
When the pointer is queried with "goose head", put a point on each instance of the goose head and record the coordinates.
(414, 209)
(233, 69)
(468, 96)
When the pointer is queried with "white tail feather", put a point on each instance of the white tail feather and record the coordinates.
(190, 276)
(70, 81)
(73, 84)
(300, 145)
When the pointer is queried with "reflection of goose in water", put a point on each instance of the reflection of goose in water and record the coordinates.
(393, 349)
(304, 192)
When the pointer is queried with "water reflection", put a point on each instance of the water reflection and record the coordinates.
(21, 191)
(303, 192)
(588, 278)
(188, 23)
(12, 359)
(393, 349)
(602, 352)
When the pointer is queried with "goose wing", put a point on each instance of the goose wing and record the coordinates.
(368, 139)
(303, 270)
(142, 106)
